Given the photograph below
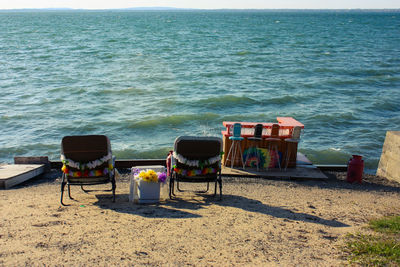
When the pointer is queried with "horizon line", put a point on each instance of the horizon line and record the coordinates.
(194, 9)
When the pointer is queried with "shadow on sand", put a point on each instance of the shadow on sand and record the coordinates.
(183, 208)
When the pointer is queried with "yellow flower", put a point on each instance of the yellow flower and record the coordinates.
(153, 177)
(148, 176)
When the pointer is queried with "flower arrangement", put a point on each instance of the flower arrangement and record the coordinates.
(149, 176)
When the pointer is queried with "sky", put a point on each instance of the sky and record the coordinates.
(203, 4)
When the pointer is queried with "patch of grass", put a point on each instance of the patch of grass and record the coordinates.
(381, 249)
(389, 225)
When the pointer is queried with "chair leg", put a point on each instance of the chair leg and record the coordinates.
(233, 157)
(248, 154)
(270, 149)
(258, 155)
(241, 155)
(220, 186)
(205, 191)
(287, 157)
(69, 192)
(277, 156)
(177, 187)
(274, 149)
(103, 190)
(170, 188)
(63, 183)
(227, 157)
(114, 186)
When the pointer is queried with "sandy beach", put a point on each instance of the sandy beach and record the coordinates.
(258, 223)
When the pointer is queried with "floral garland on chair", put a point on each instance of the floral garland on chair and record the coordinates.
(84, 168)
(196, 163)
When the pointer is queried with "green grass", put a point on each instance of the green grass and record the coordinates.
(380, 249)
(389, 225)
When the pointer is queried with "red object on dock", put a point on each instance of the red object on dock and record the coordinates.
(355, 169)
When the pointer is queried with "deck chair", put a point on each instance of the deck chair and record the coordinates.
(196, 160)
(87, 160)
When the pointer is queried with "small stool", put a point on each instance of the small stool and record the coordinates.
(294, 140)
(236, 145)
(255, 140)
(273, 142)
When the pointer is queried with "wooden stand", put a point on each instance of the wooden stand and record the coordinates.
(286, 125)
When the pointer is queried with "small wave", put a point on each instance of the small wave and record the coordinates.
(125, 91)
(226, 101)
(243, 53)
(173, 120)
(386, 105)
(372, 72)
(71, 91)
(254, 117)
(51, 150)
(333, 118)
(326, 156)
(287, 99)
(218, 74)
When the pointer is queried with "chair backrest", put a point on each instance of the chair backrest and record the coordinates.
(198, 148)
(296, 132)
(258, 129)
(237, 129)
(85, 148)
(275, 131)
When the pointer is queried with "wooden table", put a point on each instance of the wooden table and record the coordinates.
(286, 126)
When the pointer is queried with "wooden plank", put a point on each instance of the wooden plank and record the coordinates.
(310, 172)
(11, 175)
(34, 160)
(289, 121)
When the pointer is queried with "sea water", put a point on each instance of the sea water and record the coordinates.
(144, 78)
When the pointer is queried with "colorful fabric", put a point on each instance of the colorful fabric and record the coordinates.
(87, 172)
(195, 172)
(266, 158)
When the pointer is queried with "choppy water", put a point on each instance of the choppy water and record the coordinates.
(144, 78)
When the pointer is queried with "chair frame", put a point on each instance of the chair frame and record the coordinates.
(236, 147)
(82, 181)
(294, 139)
(215, 178)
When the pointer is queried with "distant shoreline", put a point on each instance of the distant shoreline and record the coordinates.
(358, 10)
